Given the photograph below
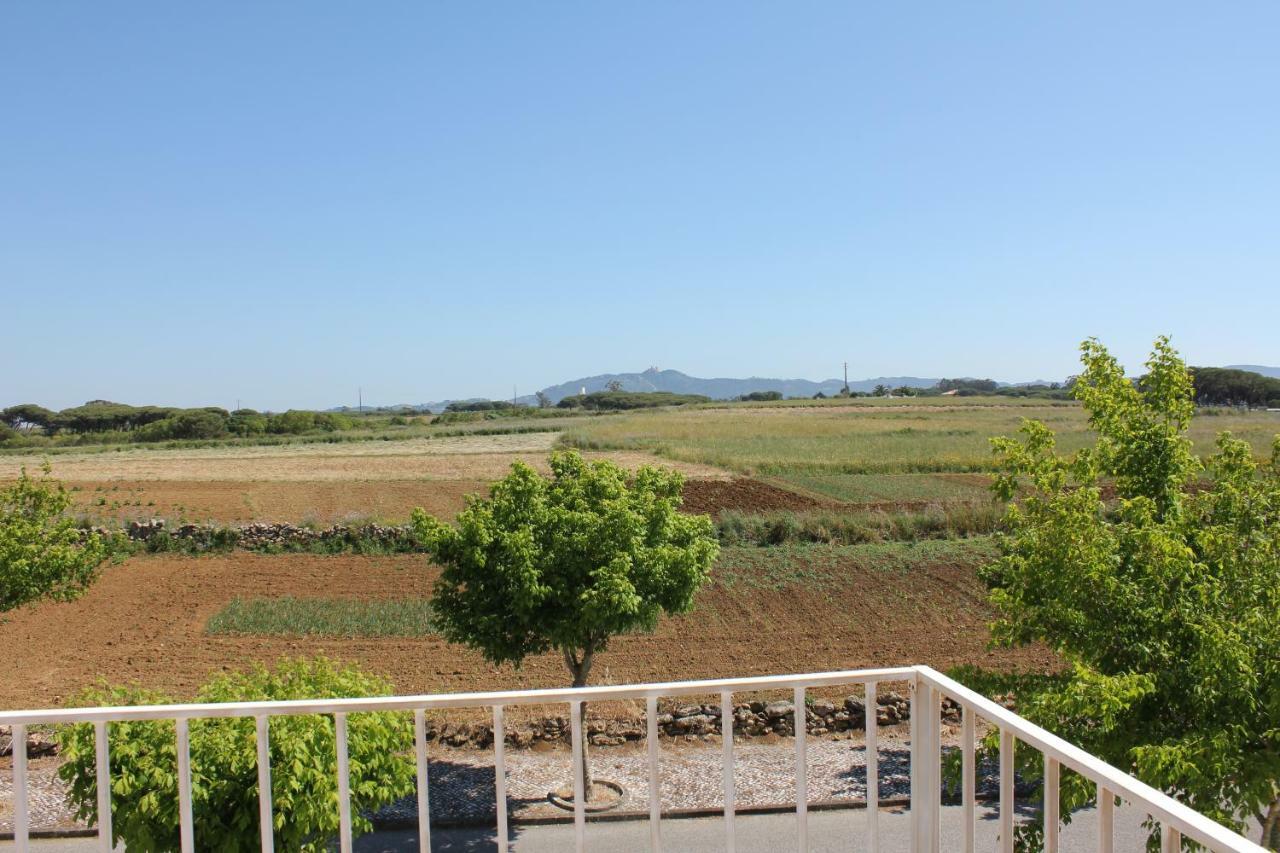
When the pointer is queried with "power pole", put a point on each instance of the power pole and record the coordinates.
(360, 400)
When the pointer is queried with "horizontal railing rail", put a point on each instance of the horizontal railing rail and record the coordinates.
(926, 688)
(1177, 820)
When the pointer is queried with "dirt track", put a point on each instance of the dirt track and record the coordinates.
(143, 622)
(457, 458)
(327, 501)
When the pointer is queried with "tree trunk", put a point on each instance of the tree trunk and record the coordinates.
(1271, 827)
(580, 669)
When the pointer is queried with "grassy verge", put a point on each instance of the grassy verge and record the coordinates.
(835, 527)
(816, 442)
(824, 567)
(322, 617)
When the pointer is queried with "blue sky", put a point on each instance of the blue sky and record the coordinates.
(281, 202)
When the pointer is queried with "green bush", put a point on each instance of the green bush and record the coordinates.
(623, 400)
(224, 787)
(42, 553)
(292, 422)
(247, 422)
(194, 423)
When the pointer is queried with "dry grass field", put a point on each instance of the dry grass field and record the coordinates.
(318, 482)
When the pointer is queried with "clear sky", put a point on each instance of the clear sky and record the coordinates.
(280, 202)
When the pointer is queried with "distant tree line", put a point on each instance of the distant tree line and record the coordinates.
(103, 418)
(620, 400)
(1220, 386)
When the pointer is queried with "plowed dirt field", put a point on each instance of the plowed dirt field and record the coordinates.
(144, 622)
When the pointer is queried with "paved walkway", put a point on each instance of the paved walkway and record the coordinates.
(842, 830)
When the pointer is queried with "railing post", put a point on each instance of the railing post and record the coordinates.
(726, 737)
(21, 827)
(871, 754)
(102, 756)
(344, 784)
(266, 826)
(1170, 839)
(185, 828)
(579, 779)
(968, 774)
(801, 727)
(424, 794)
(1006, 791)
(1106, 817)
(500, 775)
(655, 789)
(934, 728)
(1051, 774)
(917, 763)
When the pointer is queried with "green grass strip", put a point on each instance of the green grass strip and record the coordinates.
(322, 617)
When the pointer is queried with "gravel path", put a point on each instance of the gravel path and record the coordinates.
(462, 780)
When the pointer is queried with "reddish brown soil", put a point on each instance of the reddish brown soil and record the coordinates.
(744, 495)
(143, 622)
(327, 501)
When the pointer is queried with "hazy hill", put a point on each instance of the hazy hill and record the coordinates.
(1273, 372)
(723, 388)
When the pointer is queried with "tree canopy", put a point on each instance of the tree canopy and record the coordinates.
(42, 553)
(566, 562)
(1165, 599)
(1221, 386)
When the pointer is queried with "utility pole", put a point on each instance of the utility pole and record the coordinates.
(360, 400)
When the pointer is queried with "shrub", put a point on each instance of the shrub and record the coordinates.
(333, 422)
(224, 791)
(42, 553)
(622, 400)
(196, 423)
(292, 422)
(247, 422)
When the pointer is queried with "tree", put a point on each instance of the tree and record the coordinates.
(544, 402)
(24, 416)
(1218, 386)
(880, 391)
(224, 793)
(42, 553)
(614, 385)
(1165, 600)
(566, 562)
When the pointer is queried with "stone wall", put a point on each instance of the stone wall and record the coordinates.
(697, 722)
(686, 721)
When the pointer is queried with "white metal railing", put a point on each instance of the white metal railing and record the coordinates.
(927, 689)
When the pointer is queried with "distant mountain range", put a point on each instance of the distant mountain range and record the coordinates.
(1273, 372)
(676, 382)
(722, 388)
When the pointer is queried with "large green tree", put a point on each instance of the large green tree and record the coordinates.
(564, 563)
(42, 553)
(1157, 578)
